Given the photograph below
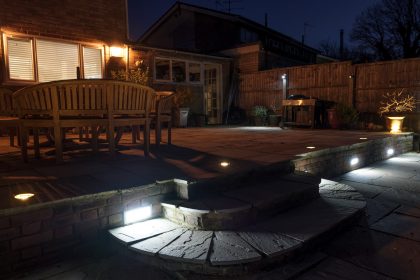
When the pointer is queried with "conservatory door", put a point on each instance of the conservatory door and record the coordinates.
(212, 93)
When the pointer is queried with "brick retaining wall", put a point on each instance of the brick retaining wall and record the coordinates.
(335, 161)
(43, 232)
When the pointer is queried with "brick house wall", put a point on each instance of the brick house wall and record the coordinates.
(94, 21)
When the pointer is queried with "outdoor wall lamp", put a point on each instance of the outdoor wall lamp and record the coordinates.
(116, 51)
(284, 76)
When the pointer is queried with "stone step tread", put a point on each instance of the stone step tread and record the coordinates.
(270, 244)
(230, 249)
(142, 230)
(278, 236)
(309, 221)
(153, 245)
(271, 194)
(192, 247)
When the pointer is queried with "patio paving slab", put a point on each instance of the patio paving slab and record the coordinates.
(153, 245)
(336, 269)
(379, 252)
(400, 225)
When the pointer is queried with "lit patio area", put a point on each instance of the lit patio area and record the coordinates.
(196, 154)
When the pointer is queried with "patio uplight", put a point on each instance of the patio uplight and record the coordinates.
(390, 152)
(116, 52)
(224, 164)
(24, 196)
(137, 215)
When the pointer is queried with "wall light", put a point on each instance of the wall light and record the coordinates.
(137, 215)
(310, 147)
(24, 196)
(116, 52)
(284, 76)
(354, 161)
(363, 138)
(390, 152)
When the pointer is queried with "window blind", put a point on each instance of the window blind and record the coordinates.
(20, 59)
(56, 61)
(92, 63)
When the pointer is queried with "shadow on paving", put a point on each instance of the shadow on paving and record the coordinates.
(86, 173)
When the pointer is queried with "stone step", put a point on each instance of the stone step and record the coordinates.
(174, 247)
(235, 208)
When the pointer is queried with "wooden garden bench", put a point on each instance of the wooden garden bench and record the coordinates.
(82, 103)
(8, 114)
(163, 114)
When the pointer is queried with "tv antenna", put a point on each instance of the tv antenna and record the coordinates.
(227, 5)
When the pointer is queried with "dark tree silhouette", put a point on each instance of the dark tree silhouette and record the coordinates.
(389, 29)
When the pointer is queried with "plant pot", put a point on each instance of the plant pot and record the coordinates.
(333, 118)
(394, 123)
(259, 121)
(183, 116)
(274, 120)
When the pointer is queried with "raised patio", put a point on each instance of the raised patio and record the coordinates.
(196, 154)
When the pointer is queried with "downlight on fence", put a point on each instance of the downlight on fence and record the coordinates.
(137, 215)
(354, 161)
(390, 152)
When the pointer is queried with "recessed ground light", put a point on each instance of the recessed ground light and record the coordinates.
(390, 152)
(363, 138)
(137, 215)
(310, 147)
(224, 164)
(354, 161)
(24, 196)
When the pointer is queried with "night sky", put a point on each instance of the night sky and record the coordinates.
(325, 17)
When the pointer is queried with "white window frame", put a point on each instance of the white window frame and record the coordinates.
(33, 39)
(187, 66)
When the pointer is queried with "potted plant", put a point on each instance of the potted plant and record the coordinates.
(260, 115)
(274, 115)
(394, 105)
(183, 101)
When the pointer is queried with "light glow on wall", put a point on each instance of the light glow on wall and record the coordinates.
(137, 215)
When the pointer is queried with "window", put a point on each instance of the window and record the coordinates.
(54, 60)
(162, 68)
(178, 71)
(20, 59)
(248, 36)
(194, 72)
(92, 63)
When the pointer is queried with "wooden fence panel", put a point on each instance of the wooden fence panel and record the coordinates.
(341, 82)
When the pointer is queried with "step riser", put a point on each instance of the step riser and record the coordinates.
(227, 221)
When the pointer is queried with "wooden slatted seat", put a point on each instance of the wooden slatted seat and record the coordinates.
(130, 105)
(82, 103)
(8, 114)
(163, 114)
